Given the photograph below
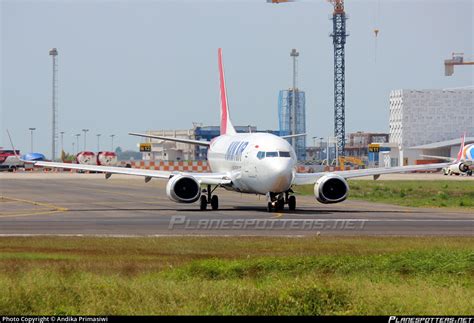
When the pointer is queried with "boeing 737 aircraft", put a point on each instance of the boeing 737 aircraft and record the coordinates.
(256, 163)
(463, 162)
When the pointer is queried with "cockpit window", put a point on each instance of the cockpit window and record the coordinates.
(261, 155)
(284, 153)
(272, 154)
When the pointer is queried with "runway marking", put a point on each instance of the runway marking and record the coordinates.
(55, 208)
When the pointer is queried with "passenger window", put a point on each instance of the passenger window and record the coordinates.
(284, 154)
(272, 154)
(261, 155)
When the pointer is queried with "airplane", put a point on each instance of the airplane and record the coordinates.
(462, 164)
(254, 163)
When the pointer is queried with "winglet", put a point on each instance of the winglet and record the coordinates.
(226, 124)
(461, 149)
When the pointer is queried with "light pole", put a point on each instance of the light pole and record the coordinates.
(73, 148)
(62, 141)
(321, 148)
(77, 141)
(98, 141)
(31, 130)
(85, 135)
(112, 137)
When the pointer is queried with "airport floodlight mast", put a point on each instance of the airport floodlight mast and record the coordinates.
(294, 54)
(54, 135)
(31, 137)
(85, 135)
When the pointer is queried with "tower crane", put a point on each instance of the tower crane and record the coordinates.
(339, 41)
(457, 59)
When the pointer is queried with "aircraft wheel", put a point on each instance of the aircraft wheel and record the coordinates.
(203, 203)
(280, 204)
(214, 202)
(292, 203)
(270, 207)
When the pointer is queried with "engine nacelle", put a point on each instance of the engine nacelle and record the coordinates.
(183, 189)
(463, 168)
(331, 188)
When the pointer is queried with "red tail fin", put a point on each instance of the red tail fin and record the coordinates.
(463, 138)
(226, 125)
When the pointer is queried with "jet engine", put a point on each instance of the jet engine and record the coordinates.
(183, 189)
(331, 188)
(463, 168)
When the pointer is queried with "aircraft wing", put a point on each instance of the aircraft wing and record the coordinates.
(293, 136)
(181, 140)
(311, 178)
(203, 178)
(440, 157)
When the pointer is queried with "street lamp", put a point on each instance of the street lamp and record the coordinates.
(112, 137)
(31, 130)
(62, 141)
(77, 141)
(85, 133)
(98, 141)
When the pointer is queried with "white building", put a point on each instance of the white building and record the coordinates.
(422, 117)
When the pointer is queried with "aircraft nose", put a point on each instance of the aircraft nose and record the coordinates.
(282, 175)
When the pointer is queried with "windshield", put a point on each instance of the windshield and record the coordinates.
(263, 154)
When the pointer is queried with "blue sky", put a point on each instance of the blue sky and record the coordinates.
(140, 65)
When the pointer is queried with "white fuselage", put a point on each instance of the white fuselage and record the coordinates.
(255, 162)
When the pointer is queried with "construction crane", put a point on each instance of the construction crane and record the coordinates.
(457, 59)
(339, 41)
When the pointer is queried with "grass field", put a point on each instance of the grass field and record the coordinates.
(452, 194)
(193, 275)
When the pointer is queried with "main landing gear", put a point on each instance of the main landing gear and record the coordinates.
(210, 199)
(276, 202)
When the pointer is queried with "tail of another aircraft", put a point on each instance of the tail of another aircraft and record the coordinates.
(226, 125)
(461, 150)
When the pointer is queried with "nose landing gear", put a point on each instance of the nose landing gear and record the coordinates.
(276, 202)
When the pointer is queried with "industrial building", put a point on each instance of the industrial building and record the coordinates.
(428, 122)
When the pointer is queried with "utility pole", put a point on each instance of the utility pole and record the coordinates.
(31, 130)
(53, 53)
(85, 135)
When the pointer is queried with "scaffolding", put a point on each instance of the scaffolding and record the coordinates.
(286, 122)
